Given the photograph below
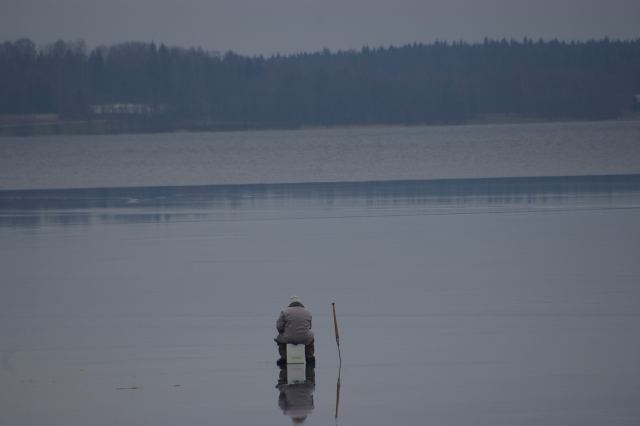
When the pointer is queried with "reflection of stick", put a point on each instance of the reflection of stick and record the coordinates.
(335, 325)
(337, 395)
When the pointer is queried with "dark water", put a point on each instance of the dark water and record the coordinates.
(487, 302)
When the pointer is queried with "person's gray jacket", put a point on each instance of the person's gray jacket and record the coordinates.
(294, 325)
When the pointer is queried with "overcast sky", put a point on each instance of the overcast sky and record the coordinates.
(269, 26)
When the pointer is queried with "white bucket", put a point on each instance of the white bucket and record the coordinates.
(295, 354)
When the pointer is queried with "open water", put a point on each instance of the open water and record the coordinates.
(321, 155)
(488, 299)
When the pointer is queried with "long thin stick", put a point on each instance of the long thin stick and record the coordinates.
(335, 325)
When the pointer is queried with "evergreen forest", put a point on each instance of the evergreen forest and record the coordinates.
(437, 83)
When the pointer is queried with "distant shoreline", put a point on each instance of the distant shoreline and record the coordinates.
(52, 125)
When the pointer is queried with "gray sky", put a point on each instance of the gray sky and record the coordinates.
(269, 26)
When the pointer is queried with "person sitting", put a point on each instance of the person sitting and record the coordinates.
(294, 326)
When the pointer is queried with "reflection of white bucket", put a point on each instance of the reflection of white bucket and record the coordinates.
(295, 354)
(296, 374)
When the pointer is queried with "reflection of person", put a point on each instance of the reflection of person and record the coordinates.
(296, 401)
(294, 326)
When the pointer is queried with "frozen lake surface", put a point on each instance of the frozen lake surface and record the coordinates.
(487, 302)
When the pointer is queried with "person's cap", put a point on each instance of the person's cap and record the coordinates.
(295, 299)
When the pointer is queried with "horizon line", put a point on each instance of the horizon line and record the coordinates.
(328, 50)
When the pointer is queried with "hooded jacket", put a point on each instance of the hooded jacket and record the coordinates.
(294, 325)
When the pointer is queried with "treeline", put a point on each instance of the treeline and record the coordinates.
(413, 84)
